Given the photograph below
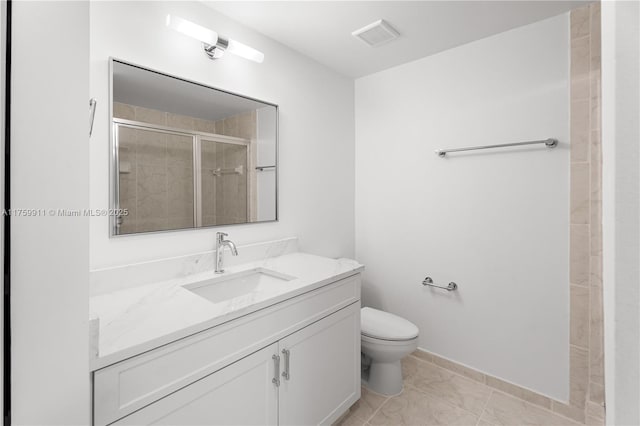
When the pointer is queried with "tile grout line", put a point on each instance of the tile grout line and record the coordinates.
(453, 372)
(441, 399)
(483, 383)
(548, 410)
(387, 398)
(493, 390)
(485, 405)
(581, 37)
(582, 348)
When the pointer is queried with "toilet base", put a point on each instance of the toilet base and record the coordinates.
(385, 377)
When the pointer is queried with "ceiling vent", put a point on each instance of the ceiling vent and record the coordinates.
(376, 33)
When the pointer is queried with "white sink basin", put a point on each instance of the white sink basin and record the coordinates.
(240, 284)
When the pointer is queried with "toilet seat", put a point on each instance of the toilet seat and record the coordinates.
(382, 325)
(386, 343)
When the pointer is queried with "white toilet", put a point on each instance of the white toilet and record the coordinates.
(386, 339)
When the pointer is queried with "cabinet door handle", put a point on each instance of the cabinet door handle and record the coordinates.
(285, 373)
(276, 364)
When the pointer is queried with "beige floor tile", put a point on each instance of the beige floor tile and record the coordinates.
(414, 371)
(595, 410)
(569, 411)
(460, 391)
(368, 403)
(506, 410)
(521, 393)
(413, 407)
(350, 420)
(594, 421)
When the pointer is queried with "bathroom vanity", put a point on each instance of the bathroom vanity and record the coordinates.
(268, 341)
(274, 341)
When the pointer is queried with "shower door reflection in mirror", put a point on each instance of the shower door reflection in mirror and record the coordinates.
(156, 185)
(187, 155)
(223, 173)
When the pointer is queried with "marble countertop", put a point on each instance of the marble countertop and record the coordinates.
(137, 319)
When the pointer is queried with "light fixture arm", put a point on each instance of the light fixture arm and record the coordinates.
(216, 51)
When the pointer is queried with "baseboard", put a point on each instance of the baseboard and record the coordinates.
(560, 407)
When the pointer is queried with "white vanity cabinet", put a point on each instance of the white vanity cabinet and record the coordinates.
(293, 363)
(319, 383)
(239, 394)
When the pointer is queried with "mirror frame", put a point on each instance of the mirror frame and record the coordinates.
(114, 178)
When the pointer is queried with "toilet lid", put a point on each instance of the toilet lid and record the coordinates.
(386, 326)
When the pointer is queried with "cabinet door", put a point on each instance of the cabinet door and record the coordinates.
(324, 369)
(239, 394)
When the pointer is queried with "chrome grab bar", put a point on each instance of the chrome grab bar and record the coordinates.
(451, 287)
(287, 355)
(550, 143)
(276, 364)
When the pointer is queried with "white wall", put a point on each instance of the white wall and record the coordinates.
(495, 222)
(316, 128)
(621, 209)
(50, 255)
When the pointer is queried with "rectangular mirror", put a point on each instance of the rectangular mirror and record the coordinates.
(185, 155)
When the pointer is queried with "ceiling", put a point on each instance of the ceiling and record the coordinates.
(322, 29)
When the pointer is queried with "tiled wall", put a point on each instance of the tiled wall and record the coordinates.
(586, 321)
(156, 182)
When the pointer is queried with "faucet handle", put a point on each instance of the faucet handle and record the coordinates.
(221, 235)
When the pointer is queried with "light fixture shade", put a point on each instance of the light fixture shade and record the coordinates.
(245, 51)
(196, 31)
(214, 46)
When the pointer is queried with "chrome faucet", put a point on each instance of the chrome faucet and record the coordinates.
(221, 243)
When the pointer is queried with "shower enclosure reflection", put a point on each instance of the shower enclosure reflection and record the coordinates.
(187, 155)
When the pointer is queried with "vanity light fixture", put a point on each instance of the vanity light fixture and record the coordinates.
(214, 45)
